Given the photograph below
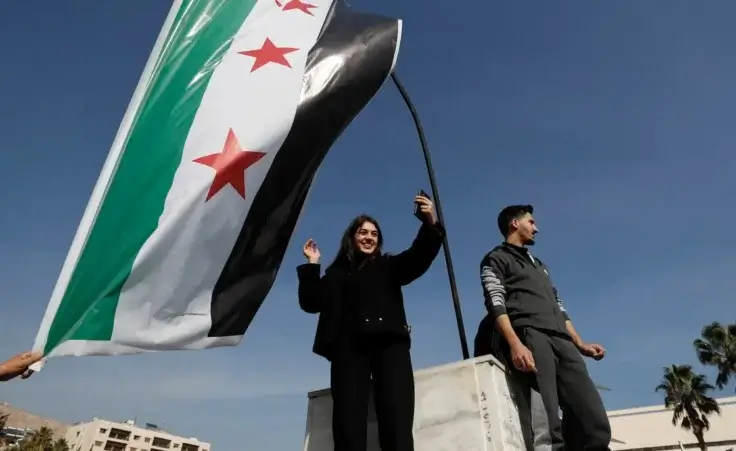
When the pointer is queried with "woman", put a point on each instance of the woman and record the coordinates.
(362, 328)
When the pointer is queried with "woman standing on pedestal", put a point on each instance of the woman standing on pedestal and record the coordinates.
(362, 328)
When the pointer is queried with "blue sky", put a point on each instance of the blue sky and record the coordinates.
(615, 119)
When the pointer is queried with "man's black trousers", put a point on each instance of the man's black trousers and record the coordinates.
(389, 362)
(562, 380)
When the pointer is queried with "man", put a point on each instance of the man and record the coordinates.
(537, 334)
(18, 366)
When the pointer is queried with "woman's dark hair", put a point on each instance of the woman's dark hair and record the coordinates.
(347, 251)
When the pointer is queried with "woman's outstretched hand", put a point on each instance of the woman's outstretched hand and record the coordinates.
(311, 252)
(426, 208)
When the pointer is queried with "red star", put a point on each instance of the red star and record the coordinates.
(299, 5)
(269, 53)
(230, 165)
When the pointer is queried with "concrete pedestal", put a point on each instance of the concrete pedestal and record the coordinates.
(462, 406)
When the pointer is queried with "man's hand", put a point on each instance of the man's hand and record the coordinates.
(522, 358)
(18, 366)
(593, 350)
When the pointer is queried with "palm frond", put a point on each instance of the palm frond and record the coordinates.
(717, 347)
(705, 352)
(731, 329)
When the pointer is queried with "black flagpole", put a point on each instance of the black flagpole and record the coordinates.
(436, 195)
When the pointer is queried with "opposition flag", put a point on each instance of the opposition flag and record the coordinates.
(191, 216)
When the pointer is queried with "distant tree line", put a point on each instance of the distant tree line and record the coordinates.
(687, 392)
(40, 440)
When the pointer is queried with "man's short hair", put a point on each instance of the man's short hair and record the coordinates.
(510, 213)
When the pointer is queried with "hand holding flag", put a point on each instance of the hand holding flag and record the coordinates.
(18, 366)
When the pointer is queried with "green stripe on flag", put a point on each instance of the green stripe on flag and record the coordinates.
(134, 201)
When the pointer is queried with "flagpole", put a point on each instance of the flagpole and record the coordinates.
(438, 205)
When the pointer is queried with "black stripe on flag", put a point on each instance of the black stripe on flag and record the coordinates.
(364, 45)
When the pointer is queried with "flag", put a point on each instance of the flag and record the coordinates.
(190, 218)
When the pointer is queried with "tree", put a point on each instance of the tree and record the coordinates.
(40, 440)
(686, 393)
(60, 445)
(3, 423)
(717, 347)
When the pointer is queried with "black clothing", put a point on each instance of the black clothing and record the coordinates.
(518, 284)
(390, 364)
(489, 341)
(362, 330)
(572, 431)
(375, 287)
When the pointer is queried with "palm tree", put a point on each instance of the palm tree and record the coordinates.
(40, 440)
(686, 394)
(60, 445)
(3, 423)
(717, 347)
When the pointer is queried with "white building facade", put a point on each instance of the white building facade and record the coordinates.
(103, 435)
(651, 429)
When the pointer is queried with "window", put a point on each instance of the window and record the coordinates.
(176, 445)
(160, 442)
(98, 443)
(119, 434)
(113, 446)
(147, 439)
(136, 437)
(103, 430)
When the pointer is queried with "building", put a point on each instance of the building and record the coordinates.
(20, 423)
(103, 435)
(96, 435)
(651, 429)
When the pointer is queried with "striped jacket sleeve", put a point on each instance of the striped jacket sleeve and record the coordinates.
(559, 304)
(491, 278)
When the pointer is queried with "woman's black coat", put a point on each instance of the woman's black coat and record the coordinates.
(324, 295)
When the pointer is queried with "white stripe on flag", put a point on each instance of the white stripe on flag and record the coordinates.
(90, 212)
